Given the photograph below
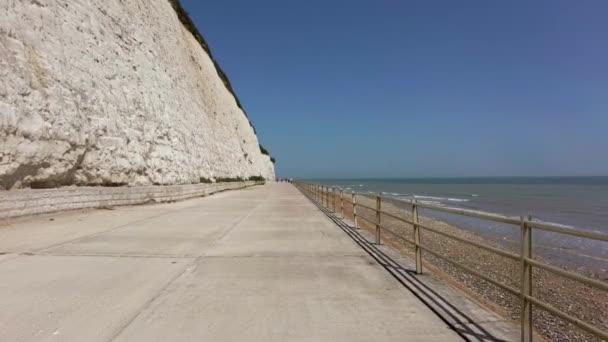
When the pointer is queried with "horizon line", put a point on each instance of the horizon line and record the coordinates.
(445, 177)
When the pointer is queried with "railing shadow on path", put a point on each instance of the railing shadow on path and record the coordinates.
(460, 322)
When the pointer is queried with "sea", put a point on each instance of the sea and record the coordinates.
(577, 202)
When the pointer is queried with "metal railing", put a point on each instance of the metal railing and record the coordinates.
(328, 196)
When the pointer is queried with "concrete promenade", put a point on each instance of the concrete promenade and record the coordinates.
(258, 264)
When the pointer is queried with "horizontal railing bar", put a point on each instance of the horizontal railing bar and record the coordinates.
(396, 217)
(472, 271)
(386, 229)
(472, 213)
(556, 228)
(453, 210)
(367, 219)
(571, 319)
(484, 247)
(573, 276)
(397, 235)
(504, 219)
(500, 218)
(568, 231)
(363, 194)
(546, 226)
(364, 206)
(476, 244)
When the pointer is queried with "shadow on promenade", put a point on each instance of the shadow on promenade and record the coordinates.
(459, 321)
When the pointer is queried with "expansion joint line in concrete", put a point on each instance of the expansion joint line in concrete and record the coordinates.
(81, 238)
(189, 268)
(124, 256)
(231, 228)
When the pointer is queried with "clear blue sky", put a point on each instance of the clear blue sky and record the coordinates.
(419, 88)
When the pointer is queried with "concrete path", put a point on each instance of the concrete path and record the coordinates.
(260, 264)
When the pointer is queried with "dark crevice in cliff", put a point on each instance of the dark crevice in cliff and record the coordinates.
(62, 179)
(8, 181)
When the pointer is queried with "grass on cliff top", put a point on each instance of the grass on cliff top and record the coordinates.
(185, 19)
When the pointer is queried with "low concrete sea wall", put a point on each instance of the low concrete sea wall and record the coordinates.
(31, 202)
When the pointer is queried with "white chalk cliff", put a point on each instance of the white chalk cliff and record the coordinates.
(114, 92)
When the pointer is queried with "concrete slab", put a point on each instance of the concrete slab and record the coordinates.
(174, 234)
(51, 298)
(269, 266)
(34, 233)
(30, 234)
(6, 256)
(285, 239)
(286, 299)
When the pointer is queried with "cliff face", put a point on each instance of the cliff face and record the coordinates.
(114, 92)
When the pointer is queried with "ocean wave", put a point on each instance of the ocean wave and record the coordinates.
(432, 202)
(392, 194)
(440, 199)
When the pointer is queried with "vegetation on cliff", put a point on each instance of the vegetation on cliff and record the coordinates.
(265, 152)
(189, 24)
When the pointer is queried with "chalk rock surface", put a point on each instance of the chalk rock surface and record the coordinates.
(114, 92)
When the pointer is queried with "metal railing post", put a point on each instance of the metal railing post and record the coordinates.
(319, 197)
(322, 198)
(334, 197)
(417, 237)
(355, 209)
(320, 194)
(342, 203)
(378, 218)
(526, 280)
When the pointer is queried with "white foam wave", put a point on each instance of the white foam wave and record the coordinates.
(432, 202)
(391, 193)
(440, 199)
